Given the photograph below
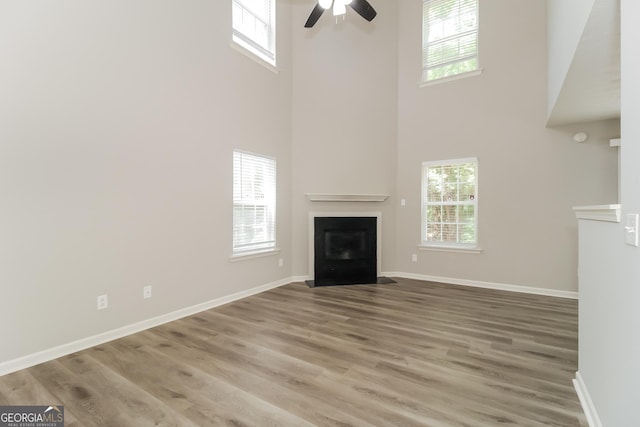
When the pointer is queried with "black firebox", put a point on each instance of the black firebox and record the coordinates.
(345, 250)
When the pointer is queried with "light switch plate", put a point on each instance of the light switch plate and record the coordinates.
(631, 229)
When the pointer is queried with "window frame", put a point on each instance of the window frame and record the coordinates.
(268, 245)
(457, 246)
(250, 45)
(425, 81)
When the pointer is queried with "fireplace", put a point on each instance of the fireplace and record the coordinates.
(345, 250)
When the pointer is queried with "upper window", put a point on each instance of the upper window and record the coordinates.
(450, 203)
(449, 38)
(254, 203)
(254, 27)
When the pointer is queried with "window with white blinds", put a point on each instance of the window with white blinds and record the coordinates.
(254, 27)
(254, 202)
(450, 203)
(449, 38)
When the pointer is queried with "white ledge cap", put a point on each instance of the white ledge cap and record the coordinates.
(610, 213)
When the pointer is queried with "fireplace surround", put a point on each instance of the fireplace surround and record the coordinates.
(344, 248)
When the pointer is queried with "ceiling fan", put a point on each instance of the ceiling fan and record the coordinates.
(362, 7)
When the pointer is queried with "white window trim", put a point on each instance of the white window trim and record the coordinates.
(244, 256)
(460, 76)
(455, 249)
(244, 51)
(472, 73)
(255, 53)
(447, 246)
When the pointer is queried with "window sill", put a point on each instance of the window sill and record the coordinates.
(456, 249)
(254, 254)
(452, 78)
(243, 50)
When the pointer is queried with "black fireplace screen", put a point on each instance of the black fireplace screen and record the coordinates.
(347, 244)
(345, 250)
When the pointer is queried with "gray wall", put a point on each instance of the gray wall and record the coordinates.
(117, 125)
(529, 176)
(118, 119)
(610, 270)
(344, 118)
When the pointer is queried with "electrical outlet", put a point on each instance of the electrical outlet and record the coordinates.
(146, 292)
(414, 257)
(403, 202)
(103, 302)
(280, 262)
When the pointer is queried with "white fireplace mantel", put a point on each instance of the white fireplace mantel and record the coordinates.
(327, 197)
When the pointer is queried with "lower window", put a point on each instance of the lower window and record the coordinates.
(450, 203)
(254, 203)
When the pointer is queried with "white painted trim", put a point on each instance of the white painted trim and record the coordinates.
(254, 254)
(486, 285)
(585, 400)
(254, 56)
(84, 343)
(458, 249)
(300, 278)
(473, 73)
(609, 213)
(615, 142)
(318, 197)
(312, 215)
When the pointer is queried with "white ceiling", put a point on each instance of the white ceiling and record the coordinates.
(591, 90)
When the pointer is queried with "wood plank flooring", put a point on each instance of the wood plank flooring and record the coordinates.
(407, 354)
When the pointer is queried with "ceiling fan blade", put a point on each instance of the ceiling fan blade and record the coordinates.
(316, 13)
(364, 9)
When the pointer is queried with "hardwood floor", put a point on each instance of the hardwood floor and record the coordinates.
(406, 354)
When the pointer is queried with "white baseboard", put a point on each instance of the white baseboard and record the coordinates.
(585, 400)
(84, 343)
(300, 278)
(487, 285)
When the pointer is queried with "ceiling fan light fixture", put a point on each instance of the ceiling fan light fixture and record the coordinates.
(361, 7)
(339, 8)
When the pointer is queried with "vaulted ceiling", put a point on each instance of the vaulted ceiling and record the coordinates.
(591, 90)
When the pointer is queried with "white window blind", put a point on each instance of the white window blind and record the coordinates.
(254, 27)
(449, 38)
(450, 203)
(254, 202)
